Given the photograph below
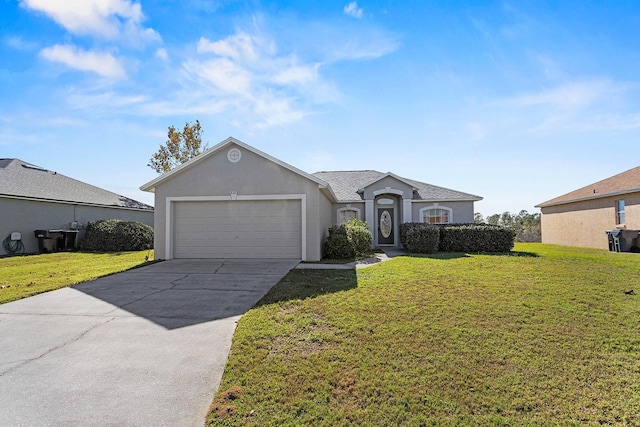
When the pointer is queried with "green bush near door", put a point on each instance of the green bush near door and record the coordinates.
(348, 240)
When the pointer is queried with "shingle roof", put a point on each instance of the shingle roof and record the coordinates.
(346, 184)
(625, 182)
(24, 180)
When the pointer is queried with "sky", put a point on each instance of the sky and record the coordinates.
(515, 101)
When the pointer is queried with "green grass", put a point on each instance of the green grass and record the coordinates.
(23, 276)
(543, 336)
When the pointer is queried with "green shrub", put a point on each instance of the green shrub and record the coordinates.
(475, 238)
(113, 235)
(348, 240)
(418, 237)
(359, 236)
(337, 245)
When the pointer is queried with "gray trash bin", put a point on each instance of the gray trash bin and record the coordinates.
(621, 240)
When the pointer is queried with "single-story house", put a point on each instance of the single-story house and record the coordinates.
(583, 217)
(33, 198)
(234, 201)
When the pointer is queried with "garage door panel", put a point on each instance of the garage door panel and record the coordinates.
(238, 229)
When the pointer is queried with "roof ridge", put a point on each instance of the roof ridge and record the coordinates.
(28, 181)
(354, 170)
(612, 185)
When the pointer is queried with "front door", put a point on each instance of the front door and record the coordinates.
(385, 226)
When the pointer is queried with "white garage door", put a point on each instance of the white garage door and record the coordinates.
(238, 229)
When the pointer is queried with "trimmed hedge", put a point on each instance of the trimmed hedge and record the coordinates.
(114, 235)
(348, 240)
(417, 237)
(476, 238)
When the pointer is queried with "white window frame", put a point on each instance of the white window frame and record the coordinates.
(347, 208)
(620, 216)
(436, 206)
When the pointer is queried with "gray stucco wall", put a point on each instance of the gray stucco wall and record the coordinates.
(327, 219)
(26, 216)
(253, 175)
(462, 211)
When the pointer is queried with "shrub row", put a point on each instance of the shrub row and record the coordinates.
(426, 238)
(417, 237)
(348, 240)
(113, 235)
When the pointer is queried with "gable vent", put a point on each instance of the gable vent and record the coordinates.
(35, 168)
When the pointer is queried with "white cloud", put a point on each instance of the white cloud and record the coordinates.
(352, 9)
(247, 74)
(297, 75)
(568, 96)
(227, 76)
(101, 63)
(240, 47)
(576, 107)
(356, 49)
(246, 71)
(276, 111)
(162, 55)
(109, 19)
(18, 43)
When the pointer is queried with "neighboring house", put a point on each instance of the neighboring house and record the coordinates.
(582, 217)
(234, 201)
(33, 198)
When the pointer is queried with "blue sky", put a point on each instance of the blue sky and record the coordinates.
(515, 101)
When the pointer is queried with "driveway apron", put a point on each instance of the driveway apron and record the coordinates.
(146, 347)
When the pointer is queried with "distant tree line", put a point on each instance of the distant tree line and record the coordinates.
(526, 225)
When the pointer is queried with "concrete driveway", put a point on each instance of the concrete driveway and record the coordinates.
(145, 347)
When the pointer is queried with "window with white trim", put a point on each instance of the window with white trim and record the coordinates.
(620, 212)
(347, 214)
(436, 215)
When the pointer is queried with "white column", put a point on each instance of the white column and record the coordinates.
(406, 211)
(369, 216)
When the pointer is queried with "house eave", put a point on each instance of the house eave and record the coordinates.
(383, 176)
(584, 199)
(470, 199)
(71, 202)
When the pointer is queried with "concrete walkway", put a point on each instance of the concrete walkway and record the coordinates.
(386, 255)
(142, 348)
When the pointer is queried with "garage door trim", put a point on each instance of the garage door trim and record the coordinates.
(234, 196)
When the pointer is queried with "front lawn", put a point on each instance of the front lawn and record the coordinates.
(23, 276)
(543, 336)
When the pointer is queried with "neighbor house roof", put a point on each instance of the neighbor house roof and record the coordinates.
(347, 185)
(622, 183)
(22, 180)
